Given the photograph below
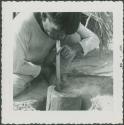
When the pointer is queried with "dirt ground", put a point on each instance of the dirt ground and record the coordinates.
(90, 77)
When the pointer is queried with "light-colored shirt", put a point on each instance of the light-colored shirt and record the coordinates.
(31, 45)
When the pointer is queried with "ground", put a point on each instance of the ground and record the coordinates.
(89, 76)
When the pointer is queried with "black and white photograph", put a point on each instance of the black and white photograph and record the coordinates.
(62, 62)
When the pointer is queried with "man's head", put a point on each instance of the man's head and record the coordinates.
(59, 24)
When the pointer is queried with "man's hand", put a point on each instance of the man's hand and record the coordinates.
(66, 52)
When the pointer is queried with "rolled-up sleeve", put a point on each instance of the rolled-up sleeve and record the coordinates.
(89, 40)
(29, 68)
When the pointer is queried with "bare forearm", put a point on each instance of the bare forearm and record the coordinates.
(89, 40)
(89, 44)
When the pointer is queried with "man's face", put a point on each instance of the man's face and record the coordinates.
(52, 30)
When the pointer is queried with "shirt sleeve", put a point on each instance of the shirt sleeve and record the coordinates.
(20, 65)
(89, 41)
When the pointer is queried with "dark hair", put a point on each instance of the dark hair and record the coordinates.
(67, 21)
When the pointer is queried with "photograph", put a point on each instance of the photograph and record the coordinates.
(61, 62)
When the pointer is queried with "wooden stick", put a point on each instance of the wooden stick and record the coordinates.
(58, 65)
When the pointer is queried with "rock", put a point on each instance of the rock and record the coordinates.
(62, 101)
(102, 103)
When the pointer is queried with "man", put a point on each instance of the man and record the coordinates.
(35, 35)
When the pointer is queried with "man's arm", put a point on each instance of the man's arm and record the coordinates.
(89, 41)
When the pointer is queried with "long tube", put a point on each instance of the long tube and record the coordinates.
(58, 74)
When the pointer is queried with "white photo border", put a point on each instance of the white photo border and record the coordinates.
(78, 117)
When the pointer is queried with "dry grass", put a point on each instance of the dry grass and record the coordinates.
(102, 24)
